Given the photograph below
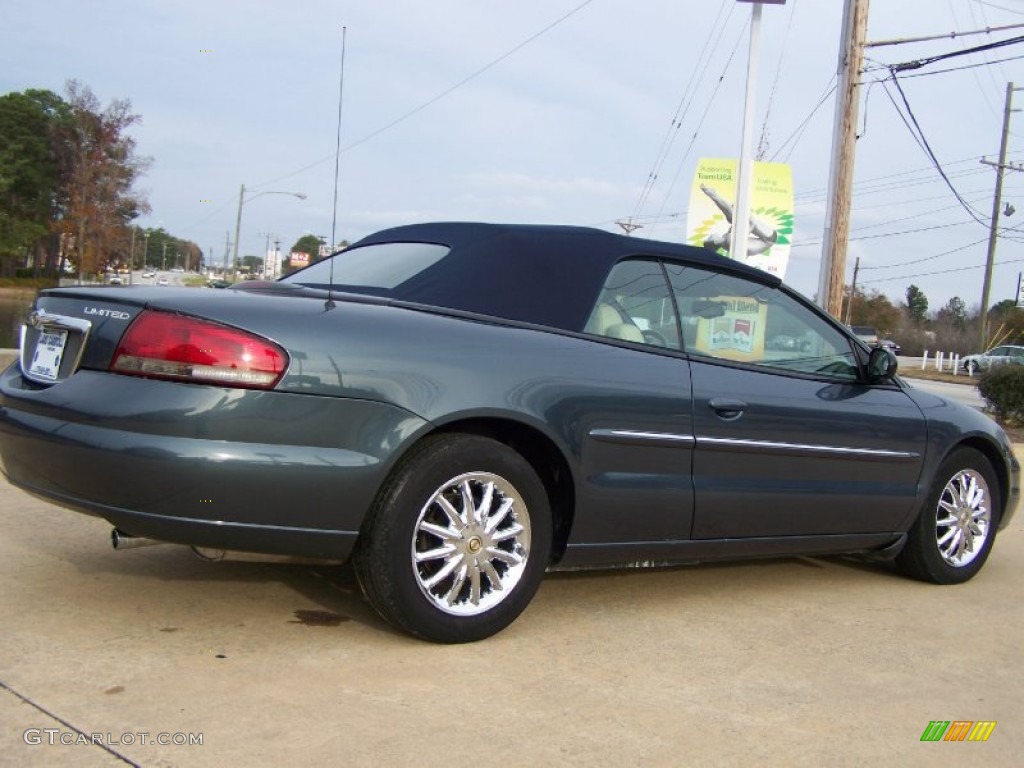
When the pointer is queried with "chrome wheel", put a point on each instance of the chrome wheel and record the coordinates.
(470, 543)
(963, 518)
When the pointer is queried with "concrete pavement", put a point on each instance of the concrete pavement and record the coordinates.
(795, 662)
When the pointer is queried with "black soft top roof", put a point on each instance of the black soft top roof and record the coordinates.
(548, 275)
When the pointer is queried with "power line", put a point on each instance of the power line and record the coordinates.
(703, 117)
(686, 100)
(998, 7)
(937, 272)
(797, 133)
(927, 258)
(918, 63)
(986, 63)
(762, 144)
(433, 100)
(896, 234)
(922, 141)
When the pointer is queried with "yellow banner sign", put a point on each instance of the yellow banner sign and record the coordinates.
(709, 218)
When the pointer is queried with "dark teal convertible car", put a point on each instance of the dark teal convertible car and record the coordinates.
(458, 407)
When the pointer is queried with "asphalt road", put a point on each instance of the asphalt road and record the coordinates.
(794, 662)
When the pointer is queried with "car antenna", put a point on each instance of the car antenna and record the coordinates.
(329, 304)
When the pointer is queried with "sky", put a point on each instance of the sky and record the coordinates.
(577, 112)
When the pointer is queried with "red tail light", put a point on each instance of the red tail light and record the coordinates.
(167, 346)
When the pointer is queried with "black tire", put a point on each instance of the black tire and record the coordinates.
(409, 521)
(972, 367)
(929, 554)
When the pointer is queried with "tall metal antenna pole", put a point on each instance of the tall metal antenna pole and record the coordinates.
(337, 146)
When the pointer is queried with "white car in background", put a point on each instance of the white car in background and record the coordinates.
(1005, 354)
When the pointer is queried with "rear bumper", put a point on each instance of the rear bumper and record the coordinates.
(208, 466)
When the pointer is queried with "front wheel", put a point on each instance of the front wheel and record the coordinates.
(458, 540)
(952, 536)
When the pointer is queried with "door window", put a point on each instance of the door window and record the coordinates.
(732, 318)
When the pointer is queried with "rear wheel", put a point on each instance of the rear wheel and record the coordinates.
(458, 540)
(952, 536)
(972, 367)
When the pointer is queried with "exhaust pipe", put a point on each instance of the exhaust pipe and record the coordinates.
(122, 540)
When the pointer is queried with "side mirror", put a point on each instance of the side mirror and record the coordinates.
(882, 365)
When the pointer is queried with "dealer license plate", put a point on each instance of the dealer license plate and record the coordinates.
(48, 354)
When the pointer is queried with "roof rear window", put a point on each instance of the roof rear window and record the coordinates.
(384, 266)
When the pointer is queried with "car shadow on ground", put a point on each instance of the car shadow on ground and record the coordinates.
(331, 587)
(328, 595)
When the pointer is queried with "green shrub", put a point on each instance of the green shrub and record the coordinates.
(1003, 389)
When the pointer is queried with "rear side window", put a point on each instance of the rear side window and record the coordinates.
(385, 266)
(636, 305)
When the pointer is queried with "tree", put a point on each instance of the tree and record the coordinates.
(101, 170)
(28, 176)
(1006, 322)
(159, 249)
(251, 264)
(917, 305)
(308, 244)
(873, 308)
(953, 315)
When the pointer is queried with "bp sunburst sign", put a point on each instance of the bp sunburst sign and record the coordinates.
(769, 234)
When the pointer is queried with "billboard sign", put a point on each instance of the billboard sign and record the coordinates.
(709, 217)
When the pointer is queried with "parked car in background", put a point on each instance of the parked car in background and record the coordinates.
(458, 408)
(1006, 354)
(865, 333)
(891, 345)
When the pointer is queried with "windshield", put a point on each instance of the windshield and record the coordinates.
(371, 268)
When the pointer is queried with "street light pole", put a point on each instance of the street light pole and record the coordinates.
(740, 233)
(741, 211)
(238, 217)
(238, 228)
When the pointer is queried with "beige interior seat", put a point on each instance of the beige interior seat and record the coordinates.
(601, 319)
(624, 331)
(605, 320)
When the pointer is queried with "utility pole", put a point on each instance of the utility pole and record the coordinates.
(853, 291)
(994, 230)
(844, 139)
(266, 252)
(131, 259)
(627, 225)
